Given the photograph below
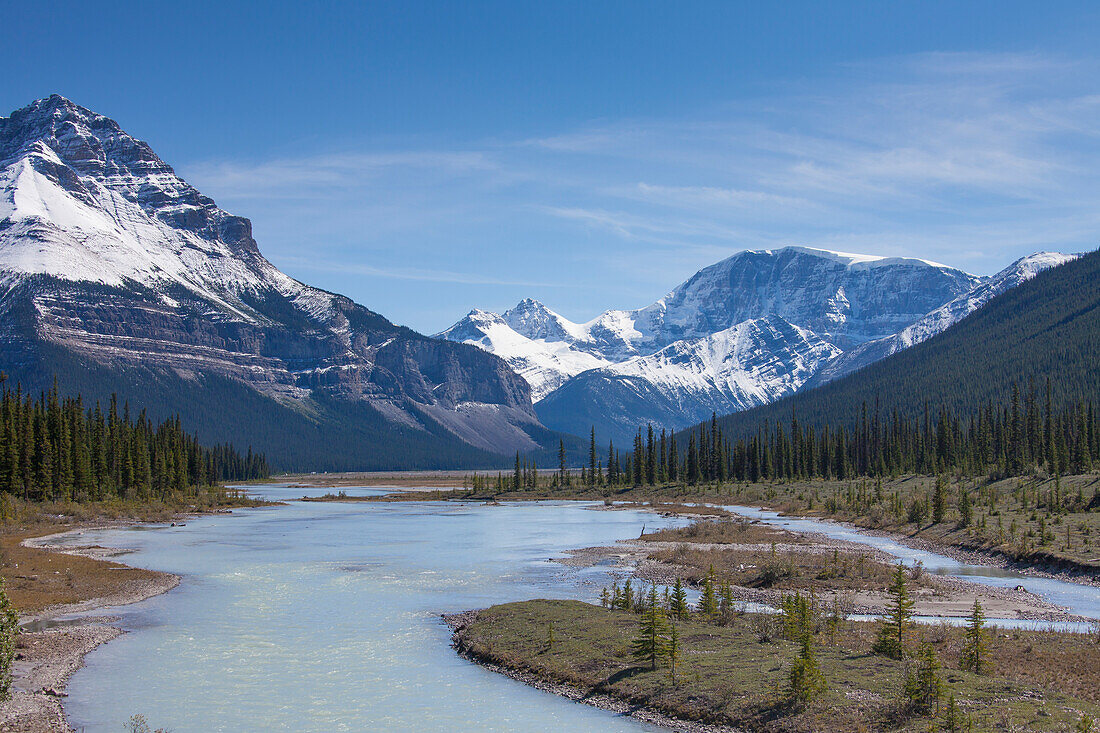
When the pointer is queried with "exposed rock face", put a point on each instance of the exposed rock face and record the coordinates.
(752, 363)
(745, 331)
(107, 254)
(940, 319)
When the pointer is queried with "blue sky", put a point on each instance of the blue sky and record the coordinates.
(427, 158)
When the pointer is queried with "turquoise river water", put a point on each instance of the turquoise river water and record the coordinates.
(325, 617)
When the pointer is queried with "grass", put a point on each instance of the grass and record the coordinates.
(1040, 521)
(736, 674)
(1032, 519)
(37, 579)
(756, 555)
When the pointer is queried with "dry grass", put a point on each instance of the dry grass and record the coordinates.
(729, 675)
(739, 532)
(36, 579)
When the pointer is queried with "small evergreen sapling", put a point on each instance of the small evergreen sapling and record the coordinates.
(805, 678)
(9, 630)
(673, 651)
(708, 600)
(679, 605)
(650, 644)
(975, 649)
(891, 636)
(924, 688)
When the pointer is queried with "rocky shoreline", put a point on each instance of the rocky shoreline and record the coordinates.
(47, 657)
(633, 557)
(458, 621)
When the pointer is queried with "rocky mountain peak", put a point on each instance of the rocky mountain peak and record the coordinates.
(111, 261)
(534, 320)
(89, 142)
(108, 208)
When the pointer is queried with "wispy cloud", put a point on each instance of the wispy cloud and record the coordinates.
(409, 273)
(969, 159)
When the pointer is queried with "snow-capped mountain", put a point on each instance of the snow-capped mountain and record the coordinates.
(941, 318)
(752, 363)
(745, 331)
(542, 350)
(112, 265)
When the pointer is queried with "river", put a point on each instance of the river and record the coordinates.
(325, 617)
(1079, 599)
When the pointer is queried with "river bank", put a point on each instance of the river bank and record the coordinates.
(55, 582)
(1009, 529)
(458, 623)
(734, 674)
(47, 654)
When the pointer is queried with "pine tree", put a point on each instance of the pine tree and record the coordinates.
(805, 678)
(924, 688)
(953, 718)
(679, 605)
(891, 636)
(673, 651)
(939, 500)
(708, 600)
(973, 657)
(593, 476)
(9, 630)
(966, 513)
(626, 598)
(673, 461)
(650, 644)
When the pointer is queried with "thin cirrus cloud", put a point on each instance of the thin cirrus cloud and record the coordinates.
(408, 273)
(968, 159)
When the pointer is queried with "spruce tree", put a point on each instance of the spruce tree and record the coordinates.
(650, 644)
(974, 652)
(939, 500)
(923, 687)
(708, 600)
(891, 636)
(966, 513)
(679, 605)
(592, 475)
(805, 678)
(673, 651)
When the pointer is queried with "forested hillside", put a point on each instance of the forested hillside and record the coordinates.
(55, 448)
(1047, 328)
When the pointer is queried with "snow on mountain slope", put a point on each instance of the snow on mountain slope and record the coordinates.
(940, 319)
(675, 359)
(848, 299)
(117, 224)
(749, 364)
(845, 298)
(527, 347)
(110, 257)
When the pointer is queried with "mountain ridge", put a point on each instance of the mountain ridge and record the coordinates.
(110, 257)
(1047, 327)
(603, 372)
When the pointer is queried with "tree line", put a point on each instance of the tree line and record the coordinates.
(54, 448)
(1011, 439)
